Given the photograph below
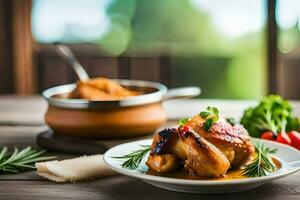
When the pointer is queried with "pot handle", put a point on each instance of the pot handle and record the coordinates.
(182, 92)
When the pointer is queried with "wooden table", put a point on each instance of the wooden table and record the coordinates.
(21, 118)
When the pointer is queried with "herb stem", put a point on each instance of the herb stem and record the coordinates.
(134, 158)
(262, 164)
(19, 161)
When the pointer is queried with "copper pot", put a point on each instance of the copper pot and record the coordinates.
(133, 116)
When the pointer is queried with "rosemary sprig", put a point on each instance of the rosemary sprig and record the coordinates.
(19, 161)
(262, 164)
(135, 158)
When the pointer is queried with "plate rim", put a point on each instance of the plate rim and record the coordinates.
(147, 177)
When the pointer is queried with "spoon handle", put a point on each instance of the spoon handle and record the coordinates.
(67, 54)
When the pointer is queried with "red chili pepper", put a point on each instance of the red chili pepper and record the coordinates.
(269, 135)
(284, 138)
(295, 138)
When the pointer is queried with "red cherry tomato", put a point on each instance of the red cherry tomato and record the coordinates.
(295, 138)
(284, 138)
(185, 128)
(269, 135)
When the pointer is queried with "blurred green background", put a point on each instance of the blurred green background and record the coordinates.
(219, 46)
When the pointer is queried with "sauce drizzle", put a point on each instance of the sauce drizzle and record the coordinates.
(230, 175)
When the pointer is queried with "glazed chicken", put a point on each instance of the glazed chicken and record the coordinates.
(171, 146)
(100, 89)
(234, 141)
(205, 153)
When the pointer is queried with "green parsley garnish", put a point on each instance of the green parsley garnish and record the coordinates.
(211, 115)
(209, 111)
(231, 121)
(262, 164)
(204, 114)
(208, 123)
(183, 121)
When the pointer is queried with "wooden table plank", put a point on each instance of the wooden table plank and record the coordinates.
(16, 110)
(19, 136)
(121, 187)
(22, 136)
(30, 110)
(228, 108)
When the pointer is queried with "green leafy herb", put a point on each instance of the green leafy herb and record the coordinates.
(231, 121)
(134, 159)
(205, 114)
(19, 161)
(272, 114)
(262, 164)
(209, 111)
(214, 110)
(211, 115)
(183, 121)
(208, 123)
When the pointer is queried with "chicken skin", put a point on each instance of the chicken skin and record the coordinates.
(182, 146)
(232, 140)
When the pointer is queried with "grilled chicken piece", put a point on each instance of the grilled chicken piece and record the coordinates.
(100, 89)
(233, 141)
(171, 146)
(163, 163)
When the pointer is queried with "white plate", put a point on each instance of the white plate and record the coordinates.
(289, 157)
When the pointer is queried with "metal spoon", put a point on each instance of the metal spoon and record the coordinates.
(67, 54)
